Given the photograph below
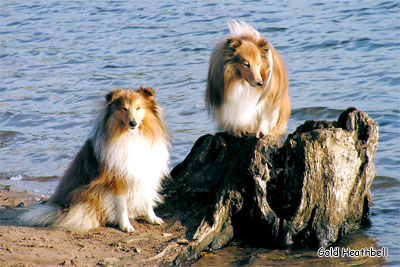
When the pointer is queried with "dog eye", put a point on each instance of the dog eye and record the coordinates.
(246, 64)
(138, 108)
(125, 109)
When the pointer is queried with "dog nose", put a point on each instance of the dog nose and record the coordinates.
(132, 124)
(260, 83)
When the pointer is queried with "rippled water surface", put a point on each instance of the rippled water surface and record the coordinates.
(59, 58)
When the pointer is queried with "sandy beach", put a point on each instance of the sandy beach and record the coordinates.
(104, 246)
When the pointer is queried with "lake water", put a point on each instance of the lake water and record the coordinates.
(59, 58)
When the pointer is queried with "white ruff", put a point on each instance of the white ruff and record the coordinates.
(241, 112)
(143, 164)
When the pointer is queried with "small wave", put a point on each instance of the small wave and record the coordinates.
(17, 177)
(23, 177)
(381, 182)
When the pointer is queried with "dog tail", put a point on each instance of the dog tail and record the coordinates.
(40, 215)
(240, 28)
(80, 217)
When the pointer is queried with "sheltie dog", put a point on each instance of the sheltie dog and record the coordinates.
(247, 85)
(117, 173)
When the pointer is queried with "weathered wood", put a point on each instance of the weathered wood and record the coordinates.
(306, 194)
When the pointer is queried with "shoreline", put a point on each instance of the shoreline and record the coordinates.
(109, 246)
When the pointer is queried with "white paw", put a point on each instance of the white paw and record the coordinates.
(157, 220)
(127, 227)
(154, 220)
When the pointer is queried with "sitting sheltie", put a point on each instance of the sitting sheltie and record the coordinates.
(117, 173)
(247, 85)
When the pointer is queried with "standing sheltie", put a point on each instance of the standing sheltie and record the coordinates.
(117, 173)
(247, 85)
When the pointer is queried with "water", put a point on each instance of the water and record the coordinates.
(59, 58)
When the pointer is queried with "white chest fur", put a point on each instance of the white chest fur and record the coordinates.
(143, 164)
(241, 111)
(137, 158)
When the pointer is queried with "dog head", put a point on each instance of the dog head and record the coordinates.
(248, 57)
(126, 109)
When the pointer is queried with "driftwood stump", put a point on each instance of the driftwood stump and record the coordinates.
(306, 194)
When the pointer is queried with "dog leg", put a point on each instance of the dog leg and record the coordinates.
(122, 214)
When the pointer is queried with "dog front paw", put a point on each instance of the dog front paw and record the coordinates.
(154, 220)
(127, 227)
(157, 220)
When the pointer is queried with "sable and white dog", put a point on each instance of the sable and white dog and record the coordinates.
(117, 173)
(247, 85)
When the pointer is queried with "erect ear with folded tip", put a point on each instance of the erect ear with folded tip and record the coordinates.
(112, 95)
(232, 44)
(149, 92)
(264, 47)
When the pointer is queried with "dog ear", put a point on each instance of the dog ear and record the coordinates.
(147, 91)
(263, 45)
(112, 95)
(232, 44)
